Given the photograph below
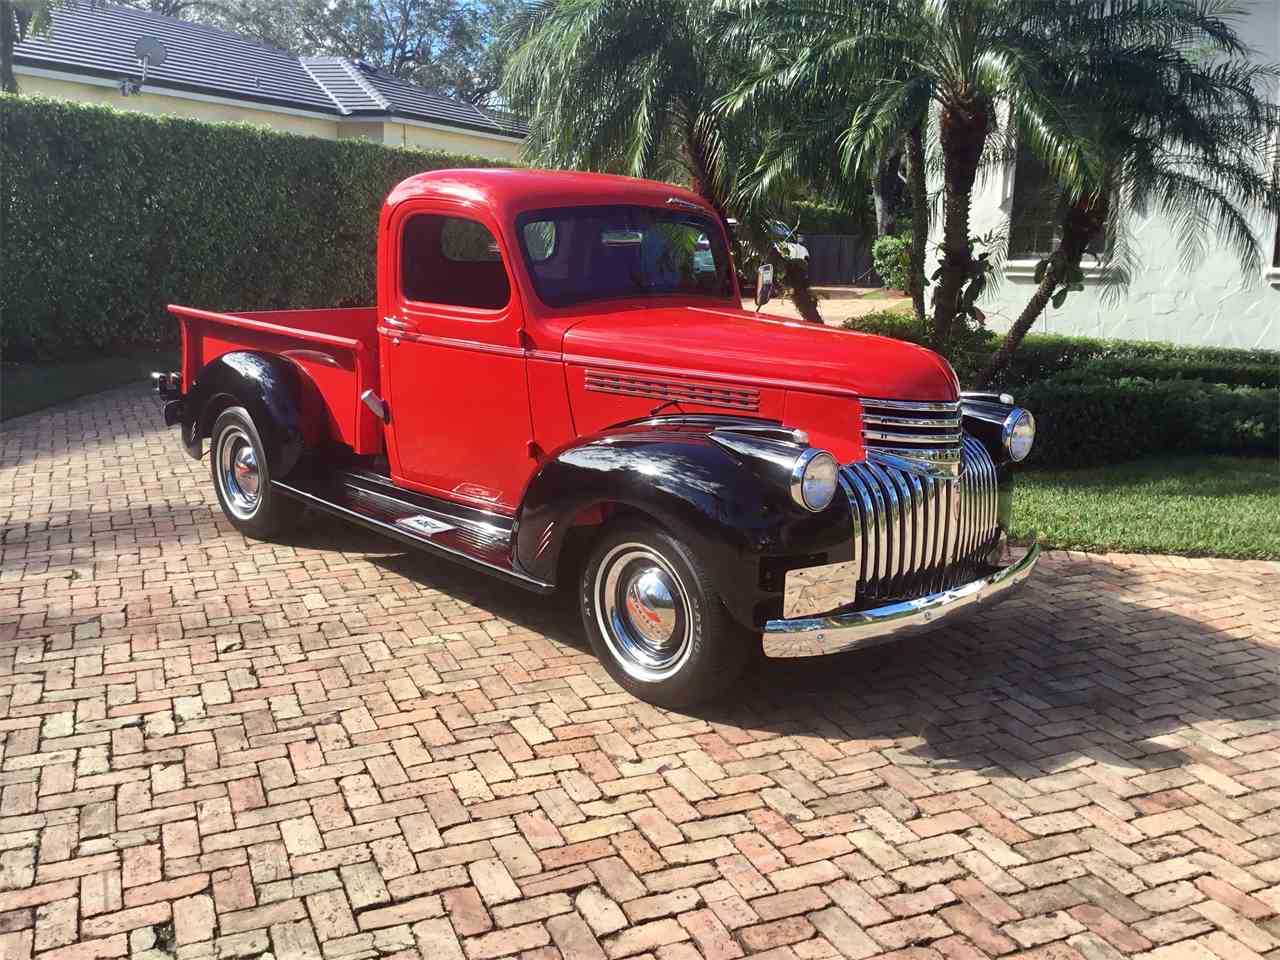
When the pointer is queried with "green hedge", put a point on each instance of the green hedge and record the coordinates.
(1084, 424)
(106, 216)
(1172, 368)
(1043, 355)
(1108, 401)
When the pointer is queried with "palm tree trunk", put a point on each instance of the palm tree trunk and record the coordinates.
(802, 294)
(962, 131)
(1030, 313)
(1080, 224)
(796, 272)
(8, 40)
(887, 192)
(701, 180)
(919, 217)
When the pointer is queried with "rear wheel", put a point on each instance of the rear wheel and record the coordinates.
(242, 478)
(656, 621)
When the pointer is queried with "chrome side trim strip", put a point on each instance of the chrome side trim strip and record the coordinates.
(836, 633)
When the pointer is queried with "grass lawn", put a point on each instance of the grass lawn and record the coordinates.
(1193, 506)
(27, 387)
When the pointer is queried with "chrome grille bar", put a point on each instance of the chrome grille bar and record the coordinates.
(918, 532)
(918, 431)
(933, 439)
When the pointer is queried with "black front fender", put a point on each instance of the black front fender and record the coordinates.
(734, 511)
(270, 387)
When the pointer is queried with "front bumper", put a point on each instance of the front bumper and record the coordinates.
(838, 632)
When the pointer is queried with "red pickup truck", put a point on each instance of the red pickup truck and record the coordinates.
(559, 386)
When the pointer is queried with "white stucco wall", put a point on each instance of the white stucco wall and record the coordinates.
(1212, 304)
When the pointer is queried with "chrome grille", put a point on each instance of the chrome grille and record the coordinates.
(919, 431)
(915, 532)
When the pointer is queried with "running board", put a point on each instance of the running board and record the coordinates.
(480, 539)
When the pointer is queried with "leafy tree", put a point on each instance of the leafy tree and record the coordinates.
(1164, 95)
(630, 86)
(439, 44)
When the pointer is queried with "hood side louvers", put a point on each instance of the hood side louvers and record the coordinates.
(660, 388)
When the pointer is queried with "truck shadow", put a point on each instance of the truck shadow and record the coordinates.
(1128, 665)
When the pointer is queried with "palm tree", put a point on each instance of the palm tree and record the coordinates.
(1165, 95)
(809, 143)
(630, 86)
(884, 68)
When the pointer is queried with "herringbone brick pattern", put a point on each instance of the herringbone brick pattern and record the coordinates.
(217, 748)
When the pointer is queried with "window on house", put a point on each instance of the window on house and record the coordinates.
(1035, 222)
(452, 261)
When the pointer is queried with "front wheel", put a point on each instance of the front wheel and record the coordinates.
(656, 621)
(242, 478)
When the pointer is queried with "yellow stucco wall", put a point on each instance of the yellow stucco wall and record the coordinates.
(428, 138)
(147, 102)
(393, 134)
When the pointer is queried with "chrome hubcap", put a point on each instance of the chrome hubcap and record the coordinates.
(238, 472)
(642, 608)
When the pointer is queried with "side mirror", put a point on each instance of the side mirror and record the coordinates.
(764, 284)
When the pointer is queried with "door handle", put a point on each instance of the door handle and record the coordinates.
(398, 323)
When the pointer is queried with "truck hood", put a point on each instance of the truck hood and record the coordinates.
(761, 349)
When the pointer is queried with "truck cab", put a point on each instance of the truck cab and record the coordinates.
(559, 385)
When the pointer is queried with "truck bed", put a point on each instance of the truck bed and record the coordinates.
(336, 348)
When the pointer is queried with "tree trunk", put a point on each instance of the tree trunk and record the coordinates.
(702, 183)
(919, 217)
(8, 40)
(701, 180)
(886, 190)
(801, 292)
(1080, 224)
(962, 130)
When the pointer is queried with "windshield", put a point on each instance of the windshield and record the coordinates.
(579, 254)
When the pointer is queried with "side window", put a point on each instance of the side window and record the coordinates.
(1035, 220)
(452, 261)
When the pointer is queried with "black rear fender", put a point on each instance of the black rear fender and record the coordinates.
(283, 402)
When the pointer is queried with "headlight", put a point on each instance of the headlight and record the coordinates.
(814, 479)
(1018, 434)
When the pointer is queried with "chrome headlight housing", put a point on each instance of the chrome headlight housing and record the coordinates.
(1018, 434)
(814, 480)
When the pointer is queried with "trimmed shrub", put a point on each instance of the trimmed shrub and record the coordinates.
(108, 216)
(969, 350)
(892, 258)
(1083, 424)
(1043, 355)
(1108, 401)
(1174, 368)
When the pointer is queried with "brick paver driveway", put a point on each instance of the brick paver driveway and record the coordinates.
(216, 748)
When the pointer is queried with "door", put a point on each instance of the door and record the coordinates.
(450, 342)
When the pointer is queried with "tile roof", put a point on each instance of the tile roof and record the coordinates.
(99, 41)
